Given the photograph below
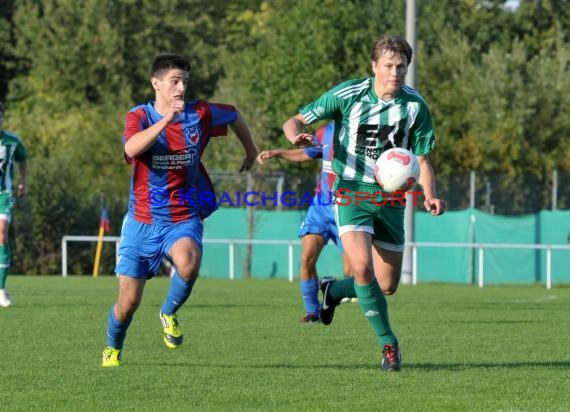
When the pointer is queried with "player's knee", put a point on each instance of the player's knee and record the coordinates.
(308, 261)
(188, 276)
(188, 270)
(126, 307)
(389, 290)
(362, 270)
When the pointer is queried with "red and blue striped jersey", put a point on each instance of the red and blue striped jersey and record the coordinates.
(323, 140)
(168, 177)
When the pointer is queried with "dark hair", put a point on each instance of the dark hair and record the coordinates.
(168, 61)
(395, 44)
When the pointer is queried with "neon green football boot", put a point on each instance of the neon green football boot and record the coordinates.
(172, 334)
(111, 357)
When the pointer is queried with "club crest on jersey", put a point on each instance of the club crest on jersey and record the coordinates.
(191, 135)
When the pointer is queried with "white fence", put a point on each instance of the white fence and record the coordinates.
(70, 238)
(480, 247)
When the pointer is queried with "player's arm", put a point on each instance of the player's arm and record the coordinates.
(23, 186)
(141, 141)
(293, 129)
(427, 181)
(241, 129)
(293, 155)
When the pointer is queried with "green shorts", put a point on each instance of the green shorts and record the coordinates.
(364, 207)
(6, 204)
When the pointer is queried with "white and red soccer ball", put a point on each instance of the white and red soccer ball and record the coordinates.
(397, 169)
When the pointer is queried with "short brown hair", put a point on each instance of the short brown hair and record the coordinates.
(168, 61)
(395, 44)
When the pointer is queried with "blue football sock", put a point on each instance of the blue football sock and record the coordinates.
(178, 292)
(310, 293)
(116, 331)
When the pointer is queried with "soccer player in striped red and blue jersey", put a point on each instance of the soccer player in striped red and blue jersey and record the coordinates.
(319, 225)
(164, 141)
(371, 115)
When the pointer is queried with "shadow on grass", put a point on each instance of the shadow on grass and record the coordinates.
(486, 365)
(496, 321)
(367, 366)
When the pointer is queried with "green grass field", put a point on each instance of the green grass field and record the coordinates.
(464, 349)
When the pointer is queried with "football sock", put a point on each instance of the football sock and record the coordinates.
(178, 293)
(375, 308)
(343, 288)
(116, 331)
(4, 264)
(310, 293)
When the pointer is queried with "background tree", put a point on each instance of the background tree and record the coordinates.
(295, 52)
(496, 80)
(7, 40)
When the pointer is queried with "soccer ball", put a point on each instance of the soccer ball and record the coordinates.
(397, 169)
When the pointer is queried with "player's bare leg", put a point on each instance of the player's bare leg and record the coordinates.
(387, 268)
(358, 246)
(120, 317)
(186, 256)
(348, 274)
(311, 248)
(5, 299)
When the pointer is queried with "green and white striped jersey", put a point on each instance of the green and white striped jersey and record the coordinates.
(11, 151)
(365, 125)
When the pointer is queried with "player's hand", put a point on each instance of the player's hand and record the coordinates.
(266, 154)
(22, 190)
(176, 108)
(303, 140)
(435, 206)
(247, 163)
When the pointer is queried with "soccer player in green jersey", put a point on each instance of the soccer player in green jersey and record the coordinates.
(11, 151)
(371, 115)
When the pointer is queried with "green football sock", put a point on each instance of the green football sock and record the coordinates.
(375, 309)
(343, 288)
(4, 264)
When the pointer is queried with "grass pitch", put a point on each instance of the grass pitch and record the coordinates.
(464, 349)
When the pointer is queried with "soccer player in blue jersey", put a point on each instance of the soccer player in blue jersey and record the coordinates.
(11, 152)
(319, 225)
(371, 115)
(164, 141)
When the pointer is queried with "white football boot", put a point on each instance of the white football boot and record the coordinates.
(5, 301)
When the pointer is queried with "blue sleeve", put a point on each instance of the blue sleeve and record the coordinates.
(315, 152)
(222, 114)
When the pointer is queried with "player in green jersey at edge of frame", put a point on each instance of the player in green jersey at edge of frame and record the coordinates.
(11, 151)
(371, 115)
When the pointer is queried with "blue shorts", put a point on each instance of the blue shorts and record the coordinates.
(320, 221)
(142, 245)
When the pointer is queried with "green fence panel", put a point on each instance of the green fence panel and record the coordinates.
(436, 264)
(508, 265)
(554, 229)
(225, 223)
(453, 265)
(268, 261)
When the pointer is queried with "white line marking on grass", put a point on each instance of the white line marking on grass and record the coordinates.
(549, 298)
